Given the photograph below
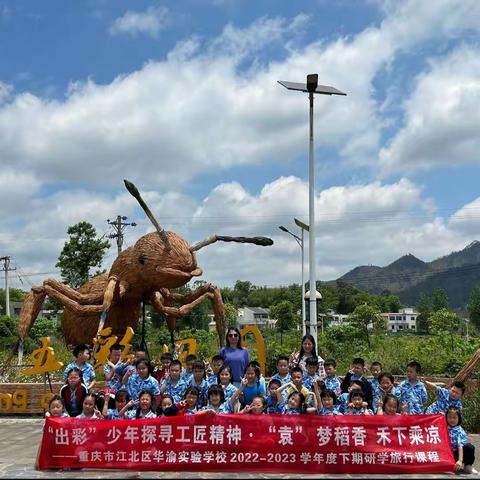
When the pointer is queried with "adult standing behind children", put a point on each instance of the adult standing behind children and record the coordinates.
(234, 355)
(307, 349)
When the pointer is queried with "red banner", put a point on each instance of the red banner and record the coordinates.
(264, 443)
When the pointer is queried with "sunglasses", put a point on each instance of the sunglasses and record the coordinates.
(233, 335)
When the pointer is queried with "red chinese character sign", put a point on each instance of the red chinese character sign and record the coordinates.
(267, 443)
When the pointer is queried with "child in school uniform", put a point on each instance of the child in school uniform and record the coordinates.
(187, 406)
(142, 380)
(187, 373)
(256, 407)
(311, 375)
(271, 399)
(225, 380)
(143, 407)
(386, 386)
(463, 451)
(326, 401)
(357, 372)
(283, 373)
(296, 385)
(390, 405)
(216, 401)
(332, 380)
(343, 398)
(81, 353)
(56, 407)
(90, 409)
(121, 399)
(165, 403)
(212, 373)
(412, 390)
(357, 404)
(375, 370)
(173, 384)
(199, 380)
(451, 397)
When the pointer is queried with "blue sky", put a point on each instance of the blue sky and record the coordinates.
(182, 99)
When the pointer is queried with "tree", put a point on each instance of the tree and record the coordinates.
(442, 321)
(439, 300)
(474, 306)
(445, 324)
(230, 314)
(285, 316)
(82, 252)
(424, 308)
(345, 297)
(240, 293)
(365, 316)
(388, 303)
(15, 295)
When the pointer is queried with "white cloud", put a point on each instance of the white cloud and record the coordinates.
(151, 22)
(467, 219)
(441, 117)
(16, 191)
(360, 224)
(147, 124)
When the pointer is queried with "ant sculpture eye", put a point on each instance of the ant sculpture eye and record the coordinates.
(141, 259)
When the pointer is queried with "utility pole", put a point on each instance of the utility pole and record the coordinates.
(6, 268)
(119, 227)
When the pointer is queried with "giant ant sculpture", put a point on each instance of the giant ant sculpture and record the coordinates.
(158, 263)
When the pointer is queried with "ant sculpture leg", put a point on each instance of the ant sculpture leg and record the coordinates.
(79, 303)
(163, 301)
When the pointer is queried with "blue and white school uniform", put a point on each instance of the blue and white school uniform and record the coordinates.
(414, 394)
(136, 385)
(284, 409)
(443, 402)
(334, 384)
(112, 414)
(176, 391)
(326, 411)
(132, 414)
(395, 391)
(287, 378)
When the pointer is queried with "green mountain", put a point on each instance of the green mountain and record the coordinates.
(408, 277)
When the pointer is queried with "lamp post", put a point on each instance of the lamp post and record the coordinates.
(311, 87)
(318, 296)
(300, 243)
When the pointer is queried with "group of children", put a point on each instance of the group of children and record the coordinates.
(141, 391)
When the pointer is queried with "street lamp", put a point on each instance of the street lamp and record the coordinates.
(311, 87)
(299, 240)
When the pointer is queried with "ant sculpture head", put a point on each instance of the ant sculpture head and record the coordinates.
(163, 256)
(167, 257)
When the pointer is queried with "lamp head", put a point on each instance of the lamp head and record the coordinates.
(312, 82)
(282, 228)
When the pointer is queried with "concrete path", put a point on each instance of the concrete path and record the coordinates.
(20, 438)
